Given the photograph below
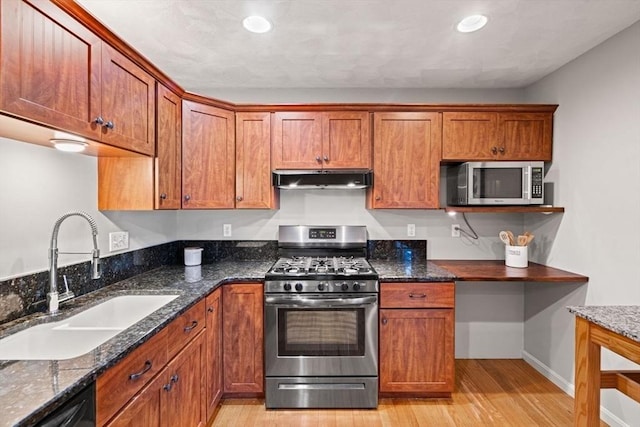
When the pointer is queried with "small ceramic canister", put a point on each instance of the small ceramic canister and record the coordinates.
(193, 256)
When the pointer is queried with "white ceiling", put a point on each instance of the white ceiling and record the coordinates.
(361, 43)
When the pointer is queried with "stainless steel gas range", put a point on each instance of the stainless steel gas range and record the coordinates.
(321, 320)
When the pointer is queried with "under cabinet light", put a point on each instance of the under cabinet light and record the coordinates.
(69, 145)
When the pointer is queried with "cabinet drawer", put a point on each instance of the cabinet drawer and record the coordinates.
(185, 328)
(417, 295)
(120, 383)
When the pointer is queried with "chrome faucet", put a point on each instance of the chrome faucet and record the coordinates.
(53, 298)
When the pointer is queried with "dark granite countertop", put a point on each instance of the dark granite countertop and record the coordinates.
(31, 388)
(621, 319)
(415, 271)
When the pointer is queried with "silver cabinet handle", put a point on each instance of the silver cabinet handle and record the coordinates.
(174, 378)
(384, 321)
(378, 198)
(109, 125)
(326, 158)
(239, 198)
(501, 149)
(494, 150)
(99, 120)
(318, 159)
(417, 296)
(163, 196)
(210, 309)
(187, 197)
(167, 387)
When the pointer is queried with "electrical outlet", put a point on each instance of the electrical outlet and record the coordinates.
(411, 230)
(118, 240)
(226, 230)
(455, 230)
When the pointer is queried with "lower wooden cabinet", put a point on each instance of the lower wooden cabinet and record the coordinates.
(243, 339)
(417, 339)
(174, 397)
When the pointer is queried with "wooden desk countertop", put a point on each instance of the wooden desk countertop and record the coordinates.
(495, 270)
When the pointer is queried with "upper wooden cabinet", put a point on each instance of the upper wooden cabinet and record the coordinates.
(168, 150)
(406, 158)
(477, 136)
(253, 162)
(208, 157)
(56, 72)
(321, 140)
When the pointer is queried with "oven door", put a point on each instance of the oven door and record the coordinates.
(321, 335)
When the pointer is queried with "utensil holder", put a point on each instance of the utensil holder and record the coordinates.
(516, 256)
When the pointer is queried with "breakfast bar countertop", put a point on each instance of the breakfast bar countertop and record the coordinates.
(621, 319)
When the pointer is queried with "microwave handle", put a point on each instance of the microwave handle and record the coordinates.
(526, 190)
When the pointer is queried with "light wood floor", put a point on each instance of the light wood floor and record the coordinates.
(488, 393)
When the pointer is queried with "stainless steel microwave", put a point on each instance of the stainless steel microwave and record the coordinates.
(495, 183)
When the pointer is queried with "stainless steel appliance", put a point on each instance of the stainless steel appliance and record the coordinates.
(496, 183)
(321, 320)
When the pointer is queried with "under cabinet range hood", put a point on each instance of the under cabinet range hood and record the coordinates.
(318, 179)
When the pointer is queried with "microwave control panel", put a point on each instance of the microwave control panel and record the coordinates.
(536, 183)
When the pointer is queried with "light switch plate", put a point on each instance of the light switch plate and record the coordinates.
(411, 230)
(226, 230)
(455, 230)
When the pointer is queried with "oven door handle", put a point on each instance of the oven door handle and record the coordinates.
(321, 302)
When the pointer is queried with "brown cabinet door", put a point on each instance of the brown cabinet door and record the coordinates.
(469, 136)
(416, 351)
(297, 140)
(49, 67)
(525, 136)
(213, 364)
(144, 409)
(168, 150)
(253, 162)
(208, 157)
(184, 404)
(243, 334)
(128, 103)
(346, 140)
(406, 160)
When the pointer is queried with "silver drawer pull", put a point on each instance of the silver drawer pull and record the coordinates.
(416, 296)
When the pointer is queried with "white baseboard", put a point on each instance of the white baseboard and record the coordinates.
(606, 415)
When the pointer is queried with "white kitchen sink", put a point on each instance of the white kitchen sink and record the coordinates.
(81, 333)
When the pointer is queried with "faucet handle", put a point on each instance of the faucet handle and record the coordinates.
(66, 284)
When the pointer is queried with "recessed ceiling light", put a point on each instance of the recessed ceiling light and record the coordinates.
(472, 23)
(256, 24)
(69, 145)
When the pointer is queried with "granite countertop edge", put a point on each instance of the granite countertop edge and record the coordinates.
(621, 319)
(16, 376)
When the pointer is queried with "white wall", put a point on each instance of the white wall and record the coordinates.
(596, 169)
(37, 186)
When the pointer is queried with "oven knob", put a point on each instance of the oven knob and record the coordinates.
(321, 286)
(356, 286)
(298, 287)
(287, 286)
(345, 287)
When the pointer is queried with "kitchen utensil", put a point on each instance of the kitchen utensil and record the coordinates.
(529, 237)
(522, 240)
(512, 239)
(504, 237)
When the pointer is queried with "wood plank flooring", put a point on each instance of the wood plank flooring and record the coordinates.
(488, 393)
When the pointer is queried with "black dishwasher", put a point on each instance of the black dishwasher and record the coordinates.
(79, 411)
